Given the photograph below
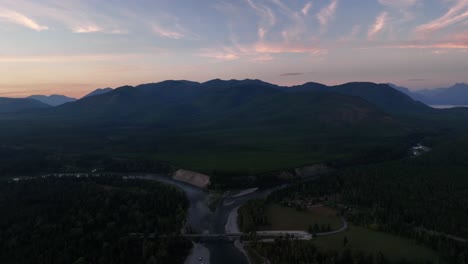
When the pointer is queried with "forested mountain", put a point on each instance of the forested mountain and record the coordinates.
(12, 105)
(382, 95)
(220, 126)
(53, 100)
(98, 92)
(185, 100)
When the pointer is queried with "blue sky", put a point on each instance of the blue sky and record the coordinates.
(70, 47)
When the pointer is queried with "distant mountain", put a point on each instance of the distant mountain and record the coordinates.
(11, 105)
(387, 98)
(453, 95)
(52, 100)
(98, 92)
(401, 89)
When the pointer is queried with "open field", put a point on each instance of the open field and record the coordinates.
(285, 218)
(393, 247)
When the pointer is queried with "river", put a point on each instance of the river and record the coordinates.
(202, 220)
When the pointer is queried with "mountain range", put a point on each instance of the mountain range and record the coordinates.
(454, 95)
(53, 100)
(241, 126)
(12, 105)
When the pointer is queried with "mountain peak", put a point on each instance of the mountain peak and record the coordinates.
(52, 100)
(98, 92)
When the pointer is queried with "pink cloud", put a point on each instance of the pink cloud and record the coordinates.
(305, 10)
(457, 13)
(327, 13)
(260, 52)
(20, 19)
(398, 3)
(378, 26)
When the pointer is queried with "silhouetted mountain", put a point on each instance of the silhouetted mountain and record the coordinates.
(453, 95)
(52, 100)
(11, 105)
(226, 121)
(401, 89)
(98, 92)
(383, 96)
(183, 102)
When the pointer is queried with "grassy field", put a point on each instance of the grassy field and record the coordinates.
(393, 247)
(285, 218)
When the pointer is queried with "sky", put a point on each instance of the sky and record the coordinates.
(72, 47)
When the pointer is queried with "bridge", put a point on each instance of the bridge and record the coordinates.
(262, 235)
(231, 237)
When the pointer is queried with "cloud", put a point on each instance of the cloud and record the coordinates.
(264, 12)
(440, 45)
(260, 51)
(219, 55)
(398, 3)
(351, 35)
(69, 58)
(77, 16)
(20, 19)
(378, 26)
(87, 29)
(305, 10)
(457, 13)
(276, 48)
(167, 33)
(261, 33)
(287, 74)
(327, 13)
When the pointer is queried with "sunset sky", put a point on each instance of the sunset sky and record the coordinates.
(74, 46)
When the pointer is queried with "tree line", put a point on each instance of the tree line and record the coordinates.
(90, 220)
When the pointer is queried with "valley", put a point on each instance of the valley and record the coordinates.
(313, 162)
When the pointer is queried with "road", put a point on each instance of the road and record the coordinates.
(299, 234)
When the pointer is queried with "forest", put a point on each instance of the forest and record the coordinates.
(422, 198)
(90, 220)
(290, 251)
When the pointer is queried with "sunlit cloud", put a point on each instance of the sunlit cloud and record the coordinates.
(13, 17)
(327, 13)
(260, 51)
(457, 13)
(378, 26)
(305, 10)
(167, 33)
(87, 29)
(274, 48)
(264, 12)
(219, 55)
(67, 58)
(398, 3)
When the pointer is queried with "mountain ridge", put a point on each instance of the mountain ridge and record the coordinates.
(53, 100)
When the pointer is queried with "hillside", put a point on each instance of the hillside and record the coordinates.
(387, 97)
(98, 92)
(12, 105)
(217, 127)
